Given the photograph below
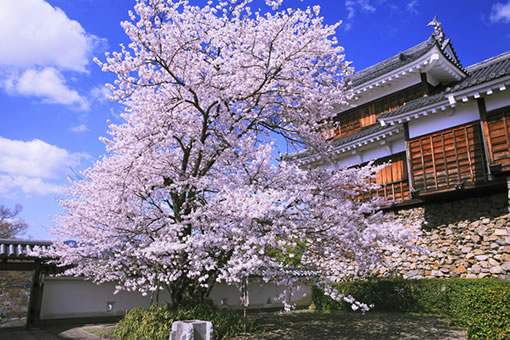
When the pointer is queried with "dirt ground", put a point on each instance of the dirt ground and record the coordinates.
(353, 326)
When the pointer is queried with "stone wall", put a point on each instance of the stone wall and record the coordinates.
(467, 238)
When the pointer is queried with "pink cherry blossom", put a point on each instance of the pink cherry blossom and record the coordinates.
(189, 193)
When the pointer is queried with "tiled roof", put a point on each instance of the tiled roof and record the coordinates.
(360, 134)
(479, 73)
(413, 105)
(390, 64)
(19, 249)
(342, 141)
(484, 71)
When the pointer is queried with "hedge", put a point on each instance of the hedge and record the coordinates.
(156, 322)
(482, 306)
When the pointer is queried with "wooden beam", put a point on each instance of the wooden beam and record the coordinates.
(445, 160)
(486, 138)
(410, 177)
(36, 293)
(17, 266)
(471, 163)
(432, 152)
(425, 84)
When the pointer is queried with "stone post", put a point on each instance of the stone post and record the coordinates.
(191, 330)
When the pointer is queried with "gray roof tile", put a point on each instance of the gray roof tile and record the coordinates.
(413, 105)
(390, 64)
(16, 249)
(482, 72)
(360, 134)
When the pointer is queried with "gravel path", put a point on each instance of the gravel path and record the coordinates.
(353, 326)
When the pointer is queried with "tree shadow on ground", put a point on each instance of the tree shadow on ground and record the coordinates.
(325, 326)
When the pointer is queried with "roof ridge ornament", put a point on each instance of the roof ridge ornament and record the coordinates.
(438, 32)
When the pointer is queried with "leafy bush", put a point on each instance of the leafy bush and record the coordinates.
(480, 305)
(156, 322)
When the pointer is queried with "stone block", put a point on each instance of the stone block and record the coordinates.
(475, 269)
(493, 262)
(191, 330)
(481, 257)
(412, 273)
(437, 273)
(461, 269)
(496, 270)
(466, 249)
(478, 252)
(500, 232)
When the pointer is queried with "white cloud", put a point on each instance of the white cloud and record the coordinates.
(34, 167)
(79, 128)
(48, 84)
(101, 93)
(39, 43)
(28, 185)
(364, 5)
(411, 6)
(36, 158)
(32, 32)
(500, 12)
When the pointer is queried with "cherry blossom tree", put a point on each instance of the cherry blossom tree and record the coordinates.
(189, 193)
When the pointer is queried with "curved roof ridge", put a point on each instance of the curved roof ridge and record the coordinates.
(489, 61)
(389, 64)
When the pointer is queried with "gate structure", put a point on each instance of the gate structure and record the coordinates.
(14, 256)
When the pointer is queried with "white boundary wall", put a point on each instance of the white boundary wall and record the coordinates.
(65, 297)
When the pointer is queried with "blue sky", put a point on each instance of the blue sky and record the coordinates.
(53, 101)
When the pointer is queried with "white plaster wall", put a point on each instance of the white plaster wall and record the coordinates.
(261, 295)
(349, 159)
(390, 148)
(497, 100)
(72, 297)
(462, 113)
(75, 298)
(373, 152)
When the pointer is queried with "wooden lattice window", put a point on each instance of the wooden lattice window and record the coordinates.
(498, 138)
(365, 115)
(448, 158)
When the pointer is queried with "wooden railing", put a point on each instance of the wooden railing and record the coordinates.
(392, 179)
(392, 192)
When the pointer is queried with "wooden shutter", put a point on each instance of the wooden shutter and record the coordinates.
(498, 125)
(394, 172)
(448, 158)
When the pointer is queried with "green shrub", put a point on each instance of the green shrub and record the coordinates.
(480, 305)
(156, 322)
(485, 311)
